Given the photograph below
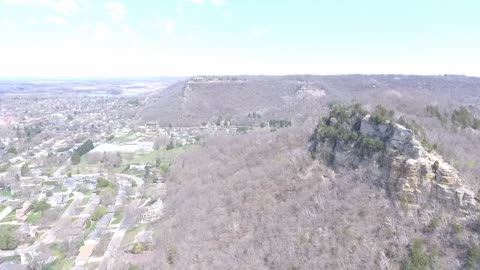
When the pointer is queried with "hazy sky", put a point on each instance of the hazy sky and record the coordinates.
(190, 37)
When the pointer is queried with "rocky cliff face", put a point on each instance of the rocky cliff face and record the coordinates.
(351, 138)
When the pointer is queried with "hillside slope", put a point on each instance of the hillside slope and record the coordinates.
(303, 99)
(204, 99)
(259, 201)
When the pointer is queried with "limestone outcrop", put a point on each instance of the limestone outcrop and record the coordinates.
(351, 138)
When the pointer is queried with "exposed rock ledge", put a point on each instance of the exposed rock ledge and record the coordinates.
(406, 169)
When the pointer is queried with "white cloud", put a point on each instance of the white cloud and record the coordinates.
(103, 31)
(170, 26)
(31, 20)
(126, 28)
(258, 31)
(213, 2)
(15, 2)
(218, 2)
(55, 20)
(194, 26)
(116, 10)
(63, 7)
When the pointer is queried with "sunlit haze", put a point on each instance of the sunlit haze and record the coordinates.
(190, 37)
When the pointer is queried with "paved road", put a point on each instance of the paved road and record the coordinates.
(122, 229)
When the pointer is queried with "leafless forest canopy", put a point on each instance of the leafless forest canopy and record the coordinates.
(259, 201)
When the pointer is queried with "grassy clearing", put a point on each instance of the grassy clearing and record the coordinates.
(50, 183)
(117, 218)
(125, 138)
(162, 154)
(10, 217)
(11, 259)
(132, 233)
(6, 193)
(61, 262)
(34, 217)
(8, 228)
(165, 156)
(85, 200)
(85, 167)
(39, 236)
(90, 227)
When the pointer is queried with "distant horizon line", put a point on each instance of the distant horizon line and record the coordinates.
(143, 77)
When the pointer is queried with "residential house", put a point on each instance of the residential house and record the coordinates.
(57, 200)
(84, 254)
(22, 213)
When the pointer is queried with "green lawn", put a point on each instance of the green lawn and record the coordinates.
(2, 206)
(60, 262)
(6, 193)
(85, 200)
(125, 138)
(163, 154)
(39, 236)
(8, 228)
(10, 217)
(57, 251)
(117, 218)
(12, 259)
(84, 167)
(90, 227)
(132, 233)
(34, 217)
(50, 183)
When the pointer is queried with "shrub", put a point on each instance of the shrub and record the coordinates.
(138, 248)
(279, 123)
(368, 145)
(133, 267)
(4, 167)
(40, 206)
(473, 257)
(12, 150)
(86, 147)
(75, 158)
(24, 170)
(457, 228)
(170, 145)
(359, 109)
(102, 183)
(462, 117)
(434, 111)
(433, 225)
(381, 114)
(242, 130)
(419, 258)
